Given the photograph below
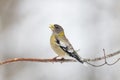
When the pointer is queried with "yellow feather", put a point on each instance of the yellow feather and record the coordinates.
(61, 34)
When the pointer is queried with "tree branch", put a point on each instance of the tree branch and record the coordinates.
(36, 60)
(87, 60)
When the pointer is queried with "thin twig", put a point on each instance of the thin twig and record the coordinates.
(100, 58)
(105, 61)
(113, 62)
(99, 64)
(95, 65)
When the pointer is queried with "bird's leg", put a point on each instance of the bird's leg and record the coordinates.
(55, 58)
(62, 60)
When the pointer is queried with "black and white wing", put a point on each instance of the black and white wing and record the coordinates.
(67, 47)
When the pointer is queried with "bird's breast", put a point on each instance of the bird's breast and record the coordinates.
(56, 47)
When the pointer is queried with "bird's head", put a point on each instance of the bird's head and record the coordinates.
(57, 29)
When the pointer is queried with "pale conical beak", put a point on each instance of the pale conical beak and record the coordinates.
(51, 26)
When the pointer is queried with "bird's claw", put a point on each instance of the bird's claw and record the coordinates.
(62, 60)
(55, 58)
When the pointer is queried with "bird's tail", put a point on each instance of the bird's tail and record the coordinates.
(77, 57)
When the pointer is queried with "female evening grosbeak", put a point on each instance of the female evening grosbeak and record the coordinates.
(60, 43)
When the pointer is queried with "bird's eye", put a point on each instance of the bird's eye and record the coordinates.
(56, 27)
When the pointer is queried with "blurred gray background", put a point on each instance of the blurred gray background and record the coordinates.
(90, 25)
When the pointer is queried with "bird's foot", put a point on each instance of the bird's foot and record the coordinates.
(62, 60)
(55, 58)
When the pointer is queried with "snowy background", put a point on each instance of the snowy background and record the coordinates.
(90, 25)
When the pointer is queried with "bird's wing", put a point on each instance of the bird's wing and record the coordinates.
(65, 45)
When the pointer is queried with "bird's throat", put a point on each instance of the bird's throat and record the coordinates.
(61, 34)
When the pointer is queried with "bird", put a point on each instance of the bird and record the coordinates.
(60, 44)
